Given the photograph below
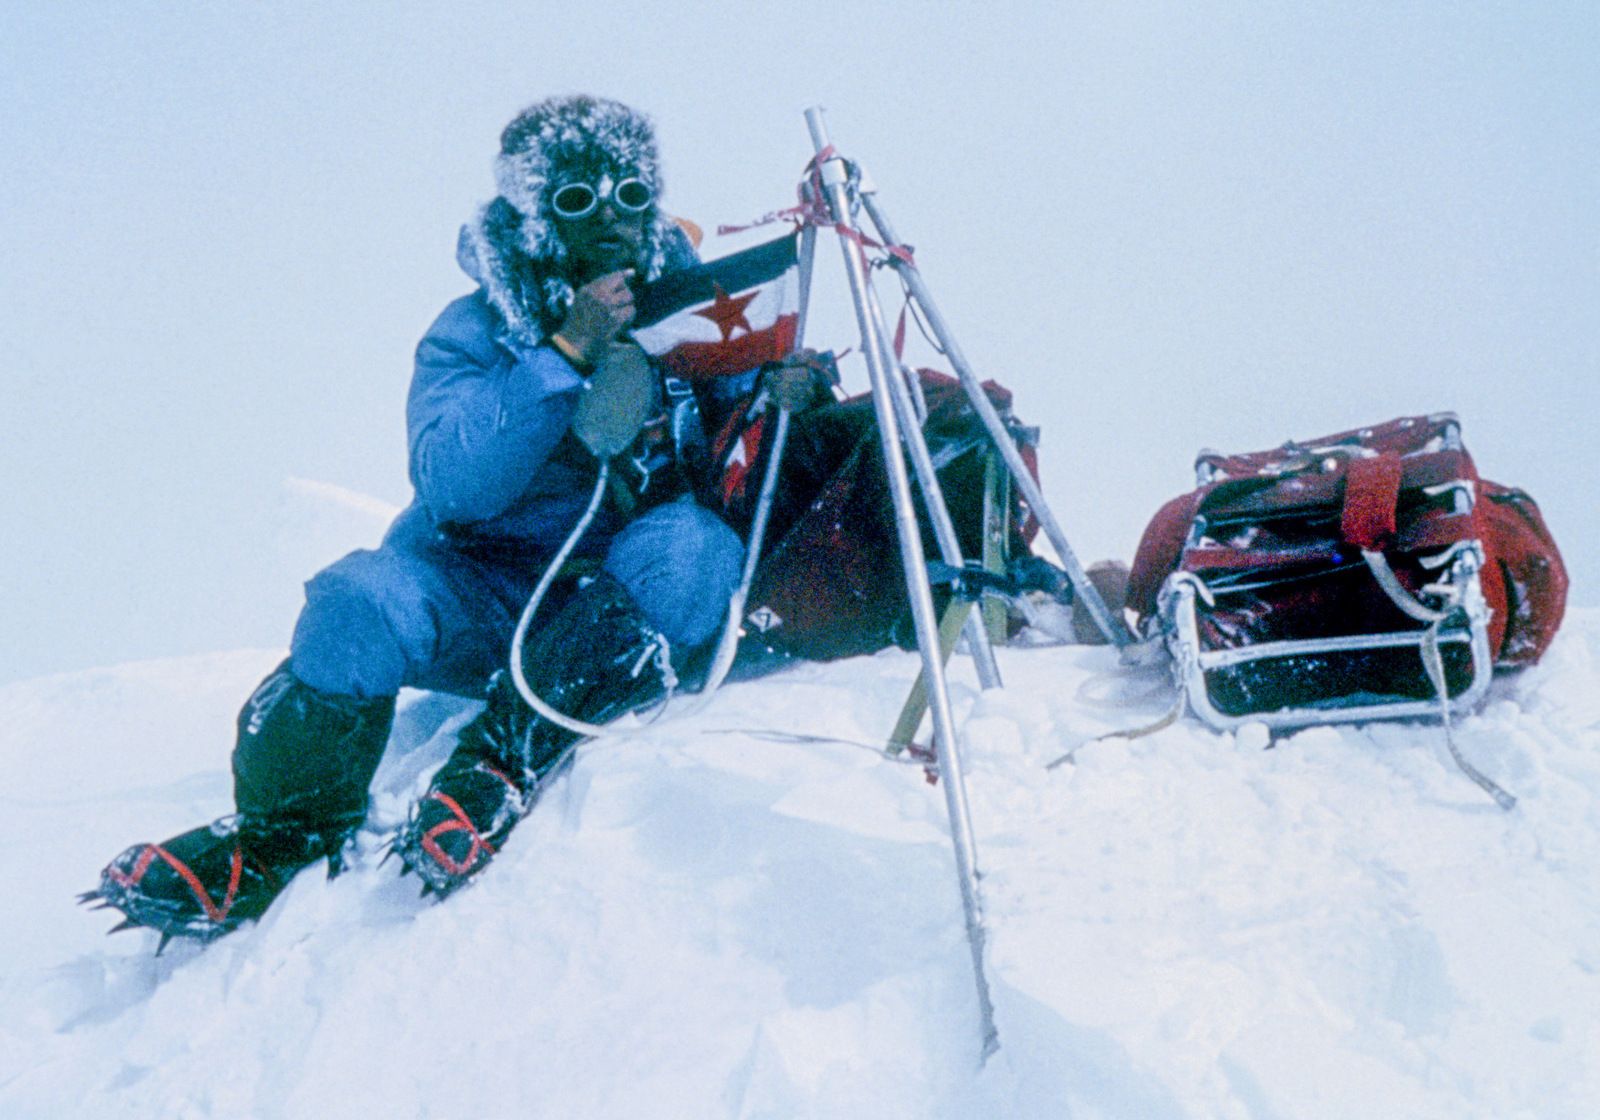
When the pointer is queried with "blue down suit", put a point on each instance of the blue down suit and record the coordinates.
(500, 481)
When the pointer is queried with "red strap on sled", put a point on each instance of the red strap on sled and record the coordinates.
(1371, 496)
(1160, 551)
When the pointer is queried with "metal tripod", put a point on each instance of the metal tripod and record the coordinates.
(900, 429)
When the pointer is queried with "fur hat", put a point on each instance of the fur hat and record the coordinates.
(512, 247)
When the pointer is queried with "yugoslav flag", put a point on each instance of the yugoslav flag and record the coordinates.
(724, 317)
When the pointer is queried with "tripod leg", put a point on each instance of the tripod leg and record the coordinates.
(911, 419)
(1113, 628)
(990, 615)
(955, 619)
(916, 574)
(996, 539)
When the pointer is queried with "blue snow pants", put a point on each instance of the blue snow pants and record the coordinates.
(420, 611)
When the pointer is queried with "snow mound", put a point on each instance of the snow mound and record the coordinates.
(752, 913)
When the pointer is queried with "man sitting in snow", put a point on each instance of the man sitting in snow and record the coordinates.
(521, 390)
(501, 477)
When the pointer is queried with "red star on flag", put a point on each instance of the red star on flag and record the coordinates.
(727, 312)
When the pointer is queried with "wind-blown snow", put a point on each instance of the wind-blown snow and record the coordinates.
(708, 921)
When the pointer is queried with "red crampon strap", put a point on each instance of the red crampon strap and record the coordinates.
(129, 880)
(461, 823)
(216, 912)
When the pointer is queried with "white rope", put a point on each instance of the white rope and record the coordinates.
(1433, 660)
(727, 646)
(520, 636)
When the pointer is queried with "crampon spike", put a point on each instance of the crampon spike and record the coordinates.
(166, 936)
(126, 923)
(90, 896)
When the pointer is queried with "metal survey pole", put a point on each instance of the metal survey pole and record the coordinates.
(1115, 630)
(835, 183)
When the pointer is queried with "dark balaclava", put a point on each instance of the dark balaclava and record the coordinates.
(513, 248)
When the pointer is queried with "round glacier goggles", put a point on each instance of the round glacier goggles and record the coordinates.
(579, 200)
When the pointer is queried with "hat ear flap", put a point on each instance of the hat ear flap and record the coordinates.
(557, 294)
(539, 242)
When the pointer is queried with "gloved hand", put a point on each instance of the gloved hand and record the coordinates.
(620, 397)
(795, 383)
(599, 312)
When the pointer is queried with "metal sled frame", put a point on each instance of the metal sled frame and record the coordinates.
(1468, 626)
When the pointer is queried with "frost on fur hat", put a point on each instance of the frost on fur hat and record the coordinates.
(513, 247)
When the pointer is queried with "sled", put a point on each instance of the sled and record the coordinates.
(1367, 575)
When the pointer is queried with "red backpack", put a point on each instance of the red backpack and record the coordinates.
(830, 583)
(1367, 574)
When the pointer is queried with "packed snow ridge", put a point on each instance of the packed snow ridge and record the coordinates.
(752, 912)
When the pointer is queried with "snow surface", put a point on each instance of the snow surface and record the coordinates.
(707, 920)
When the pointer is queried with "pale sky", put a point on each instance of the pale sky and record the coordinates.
(1164, 226)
